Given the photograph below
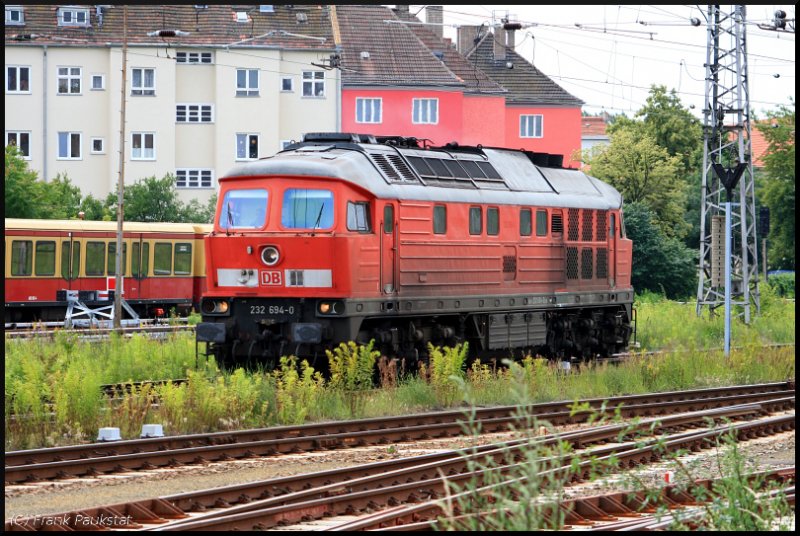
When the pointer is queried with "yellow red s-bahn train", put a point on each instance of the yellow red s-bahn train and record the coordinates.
(351, 237)
(163, 265)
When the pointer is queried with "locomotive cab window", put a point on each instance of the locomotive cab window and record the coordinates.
(541, 223)
(304, 208)
(45, 257)
(439, 219)
(493, 221)
(21, 257)
(475, 220)
(244, 209)
(70, 267)
(525, 228)
(358, 217)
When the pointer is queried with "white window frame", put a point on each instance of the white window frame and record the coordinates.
(246, 152)
(69, 77)
(74, 13)
(102, 146)
(193, 178)
(313, 80)
(16, 134)
(374, 116)
(143, 90)
(528, 124)
(141, 153)
(102, 78)
(421, 111)
(194, 109)
(70, 136)
(247, 90)
(19, 69)
(290, 79)
(185, 57)
(10, 19)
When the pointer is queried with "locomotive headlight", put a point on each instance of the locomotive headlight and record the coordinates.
(330, 307)
(214, 307)
(270, 255)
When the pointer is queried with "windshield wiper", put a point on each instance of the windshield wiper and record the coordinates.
(319, 217)
(230, 221)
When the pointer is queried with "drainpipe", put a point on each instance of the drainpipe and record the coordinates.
(45, 89)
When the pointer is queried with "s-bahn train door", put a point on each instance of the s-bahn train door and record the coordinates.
(140, 267)
(612, 250)
(388, 249)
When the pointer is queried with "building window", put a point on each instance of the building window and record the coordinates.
(18, 79)
(246, 146)
(530, 126)
(143, 146)
(143, 82)
(194, 58)
(313, 83)
(69, 80)
(194, 113)
(368, 110)
(98, 82)
(426, 111)
(247, 82)
(98, 146)
(69, 145)
(73, 17)
(20, 140)
(287, 84)
(14, 16)
(193, 178)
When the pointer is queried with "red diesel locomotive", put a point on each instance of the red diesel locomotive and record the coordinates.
(349, 237)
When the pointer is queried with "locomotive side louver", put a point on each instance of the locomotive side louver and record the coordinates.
(393, 167)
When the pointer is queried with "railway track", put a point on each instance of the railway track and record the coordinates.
(405, 491)
(142, 454)
(95, 333)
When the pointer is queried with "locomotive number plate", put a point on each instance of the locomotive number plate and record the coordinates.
(272, 310)
(277, 310)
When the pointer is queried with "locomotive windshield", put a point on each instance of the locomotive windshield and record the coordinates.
(307, 209)
(244, 209)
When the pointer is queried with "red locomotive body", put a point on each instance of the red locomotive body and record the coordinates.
(347, 237)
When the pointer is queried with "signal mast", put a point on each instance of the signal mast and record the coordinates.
(728, 247)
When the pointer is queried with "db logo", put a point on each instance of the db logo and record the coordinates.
(271, 279)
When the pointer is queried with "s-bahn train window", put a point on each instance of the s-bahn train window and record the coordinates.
(162, 259)
(440, 219)
(140, 269)
(45, 257)
(541, 223)
(21, 257)
(493, 221)
(525, 226)
(70, 272)
(358, 217)
(95, 258)
(112, 258)
(183, 258)
(244, 209)
(475, 220)
(304, 208)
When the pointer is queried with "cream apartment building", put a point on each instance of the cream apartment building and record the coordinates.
(207, 87)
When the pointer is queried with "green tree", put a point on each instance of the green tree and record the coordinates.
(661, 263)
(643, 172)
(194, 212)
(777, 187)
(62, 198)
(93, 209)
(149, 199)
(23, 192)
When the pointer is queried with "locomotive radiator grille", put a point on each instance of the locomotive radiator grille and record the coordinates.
(572, 224)
(588, 225)
(572, 263)
(602, 263)
(586, 263)
(600, 230)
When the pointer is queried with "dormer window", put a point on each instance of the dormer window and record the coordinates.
(73, 16)
(14, 16)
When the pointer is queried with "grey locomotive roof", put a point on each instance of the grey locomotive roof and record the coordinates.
(385, 171)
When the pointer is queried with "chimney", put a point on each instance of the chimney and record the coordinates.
(499, 42)
(466, 38)
(434, 15)
(511, 26)
(402, 11)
